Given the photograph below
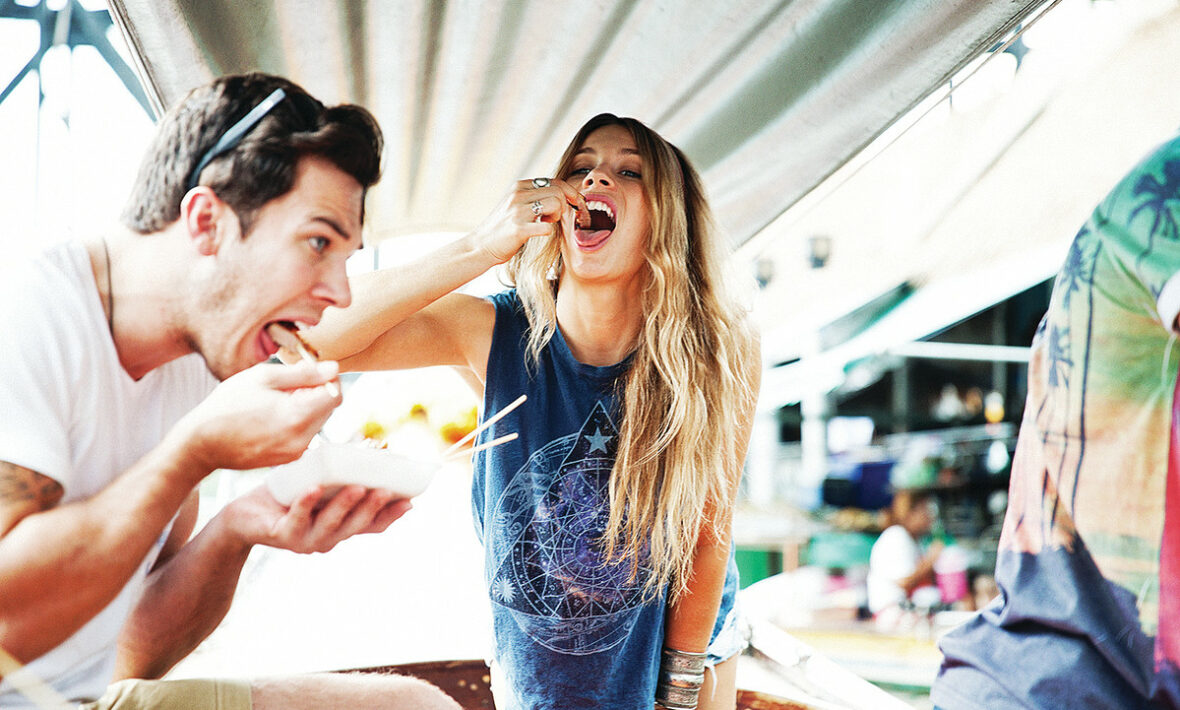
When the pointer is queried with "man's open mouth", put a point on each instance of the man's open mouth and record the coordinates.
(283, 334)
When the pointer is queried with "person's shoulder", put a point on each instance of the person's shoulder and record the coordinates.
(61, 258)
(508, 299)
(508, 308)
(48, 323)
(894, 535)
(1169, 148)
(1155, 175)
(43, 283)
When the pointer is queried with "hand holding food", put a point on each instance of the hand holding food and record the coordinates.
(530, 210)
(286, 336)
(263, 416)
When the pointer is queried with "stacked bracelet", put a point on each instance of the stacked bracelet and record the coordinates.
(681, 676)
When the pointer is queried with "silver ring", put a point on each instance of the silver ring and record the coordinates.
(537, 209)
(541, 182)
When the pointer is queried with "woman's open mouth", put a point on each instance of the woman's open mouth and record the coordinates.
(602, 225)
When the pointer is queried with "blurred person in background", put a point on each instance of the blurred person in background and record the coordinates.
(898, 567)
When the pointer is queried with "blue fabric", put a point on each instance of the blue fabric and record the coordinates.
(570, 629)
(1058, 636)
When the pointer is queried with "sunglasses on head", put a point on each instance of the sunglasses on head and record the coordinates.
(235, 134)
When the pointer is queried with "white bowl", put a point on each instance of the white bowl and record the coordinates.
(334, 465)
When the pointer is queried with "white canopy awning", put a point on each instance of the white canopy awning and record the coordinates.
(767, 98)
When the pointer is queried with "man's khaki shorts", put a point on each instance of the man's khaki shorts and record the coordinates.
(187, 694)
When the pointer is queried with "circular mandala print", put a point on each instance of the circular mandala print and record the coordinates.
(546, 566)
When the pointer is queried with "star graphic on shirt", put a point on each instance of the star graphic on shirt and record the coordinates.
(504, 590)
(598, 440)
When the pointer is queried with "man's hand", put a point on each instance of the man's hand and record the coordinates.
(314, 522)
(263, 416)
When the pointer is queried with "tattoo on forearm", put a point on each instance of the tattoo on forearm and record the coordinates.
(20, 485)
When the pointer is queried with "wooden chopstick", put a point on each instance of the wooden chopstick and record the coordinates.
(456, 455)
(495, 418)
(306, 353)
(30, 685)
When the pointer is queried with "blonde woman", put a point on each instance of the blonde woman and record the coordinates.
(607, 524)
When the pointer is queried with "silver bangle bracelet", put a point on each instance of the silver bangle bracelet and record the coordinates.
(681, 675)
(682, 661)
(677, 699)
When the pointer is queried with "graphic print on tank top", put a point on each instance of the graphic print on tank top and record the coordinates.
(547, 566)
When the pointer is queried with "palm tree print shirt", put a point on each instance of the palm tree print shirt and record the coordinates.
(1089, 559)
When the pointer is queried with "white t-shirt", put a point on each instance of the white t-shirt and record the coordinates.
(895, 556)
(71, 412)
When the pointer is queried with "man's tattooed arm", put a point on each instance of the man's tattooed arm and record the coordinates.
(23, 492)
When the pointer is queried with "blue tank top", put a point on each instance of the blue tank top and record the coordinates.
(570, 629)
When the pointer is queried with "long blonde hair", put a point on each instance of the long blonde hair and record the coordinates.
(689, 381)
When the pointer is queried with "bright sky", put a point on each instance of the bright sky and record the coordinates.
(90, 134)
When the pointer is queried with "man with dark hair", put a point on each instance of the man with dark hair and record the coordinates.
(247, 205)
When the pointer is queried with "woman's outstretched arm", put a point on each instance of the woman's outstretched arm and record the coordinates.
(383, 300)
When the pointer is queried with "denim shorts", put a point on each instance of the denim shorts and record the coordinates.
(731, 639)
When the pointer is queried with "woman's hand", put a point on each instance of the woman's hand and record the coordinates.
(530, 210)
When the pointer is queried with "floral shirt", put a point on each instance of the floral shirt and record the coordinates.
(1089, 558)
